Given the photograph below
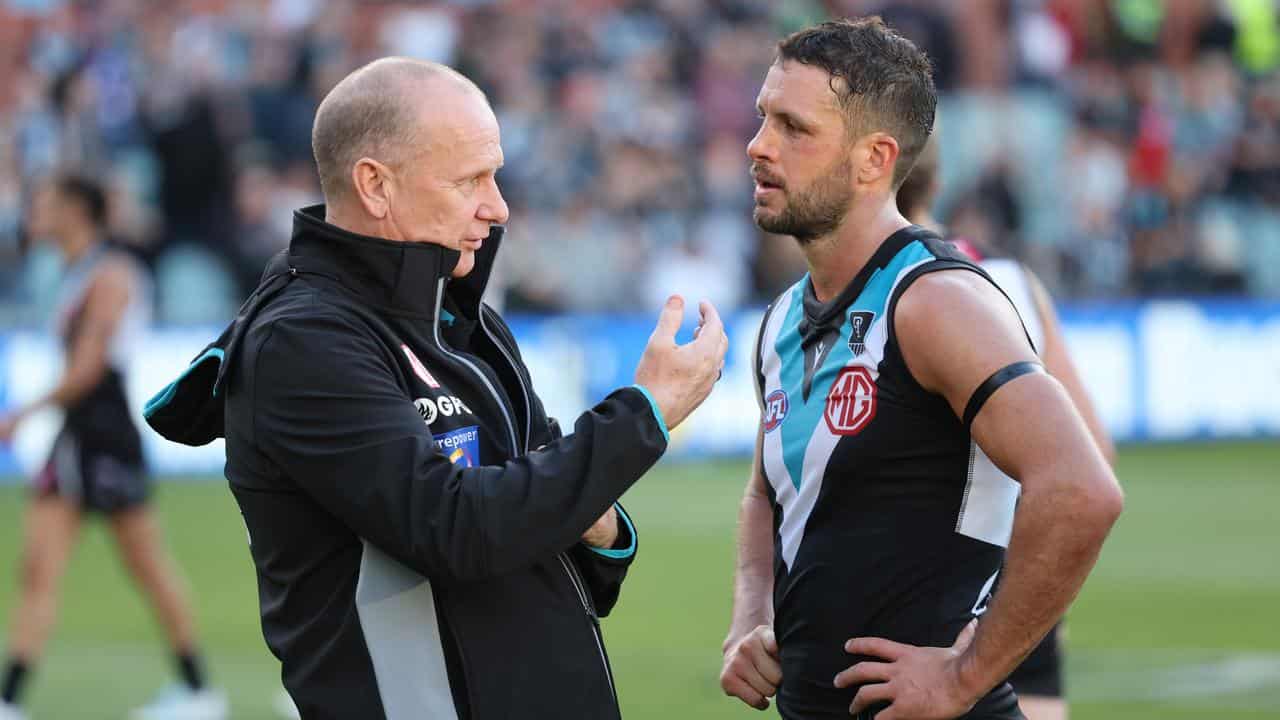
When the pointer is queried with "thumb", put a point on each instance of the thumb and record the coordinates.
(965, 638)
(670, 319)
(770, 642)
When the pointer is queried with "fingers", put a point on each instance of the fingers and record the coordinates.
(863, 673)
(876, 647)
(735, 686)
(766, 665)
(870, 695)
(670, 319)
(752, 672)
(711, 328)
(965, 638)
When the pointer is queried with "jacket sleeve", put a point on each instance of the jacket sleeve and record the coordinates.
(605, 569)
(330, 413)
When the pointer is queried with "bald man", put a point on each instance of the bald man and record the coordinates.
(427, 544)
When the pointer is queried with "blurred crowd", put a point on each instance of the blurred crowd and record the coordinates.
(1120, 147)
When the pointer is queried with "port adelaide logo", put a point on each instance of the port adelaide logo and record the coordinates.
(860, 323)
(775, 409)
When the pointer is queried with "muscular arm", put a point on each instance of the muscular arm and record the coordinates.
(955, 331)
(1058, 362)
(752, 671)
(104, 305)
(753, 576)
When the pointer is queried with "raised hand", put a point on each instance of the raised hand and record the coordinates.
(680, 377)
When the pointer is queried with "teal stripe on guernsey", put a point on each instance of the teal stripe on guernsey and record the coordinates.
(804, 416)
(626, 552)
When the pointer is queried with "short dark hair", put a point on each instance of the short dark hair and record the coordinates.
(884, 81)
(87, 193)
(917, 189)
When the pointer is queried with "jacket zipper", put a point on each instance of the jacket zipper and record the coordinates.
(524, 392)
(565, 561)
(587, 605)
(511, 425)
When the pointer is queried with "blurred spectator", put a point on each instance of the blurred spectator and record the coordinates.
(1121, 146)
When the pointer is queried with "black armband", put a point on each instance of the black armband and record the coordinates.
(993, 383)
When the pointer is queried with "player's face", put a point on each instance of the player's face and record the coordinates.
(449, 195)
(800, 157)
(46, 209)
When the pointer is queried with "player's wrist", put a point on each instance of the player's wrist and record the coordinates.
(971, 682)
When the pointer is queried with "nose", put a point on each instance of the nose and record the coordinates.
(762, 146)
(493, 209)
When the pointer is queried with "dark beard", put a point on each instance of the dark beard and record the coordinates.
(817, 211)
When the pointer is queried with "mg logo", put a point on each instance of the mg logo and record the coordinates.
(775, 410)
(852, 401)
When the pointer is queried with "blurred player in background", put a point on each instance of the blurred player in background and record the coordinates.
(900, 396)
(96, 465)
(1038, 680)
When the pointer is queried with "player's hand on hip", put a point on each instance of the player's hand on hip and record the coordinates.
(680, 377)
(913, 683)
(752, 670)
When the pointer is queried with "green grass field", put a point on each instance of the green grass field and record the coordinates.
(1180, 620)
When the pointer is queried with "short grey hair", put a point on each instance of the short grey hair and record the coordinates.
(370, 113)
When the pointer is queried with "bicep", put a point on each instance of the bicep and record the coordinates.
(1030, 425)
(755, 479)
(956, 330)
(956, 333)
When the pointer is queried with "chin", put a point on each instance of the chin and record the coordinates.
(763, 216)
(465, 264)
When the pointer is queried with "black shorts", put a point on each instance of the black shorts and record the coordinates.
(97, 478)
(1041, 673)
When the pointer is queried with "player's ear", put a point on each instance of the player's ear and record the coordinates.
(879, 157)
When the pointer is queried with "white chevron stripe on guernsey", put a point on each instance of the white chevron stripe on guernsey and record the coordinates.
(823, 442)
(771, 365)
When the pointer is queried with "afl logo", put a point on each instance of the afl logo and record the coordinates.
(775, 409)
(852, 401)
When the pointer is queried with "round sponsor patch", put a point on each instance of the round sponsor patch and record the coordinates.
(775, 409)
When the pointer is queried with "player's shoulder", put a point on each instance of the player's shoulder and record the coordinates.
(948, 296)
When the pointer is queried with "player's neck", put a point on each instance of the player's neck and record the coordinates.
(835, 259)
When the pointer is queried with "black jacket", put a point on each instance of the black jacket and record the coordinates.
(414, 517)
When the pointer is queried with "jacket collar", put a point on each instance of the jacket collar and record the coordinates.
(400, 277)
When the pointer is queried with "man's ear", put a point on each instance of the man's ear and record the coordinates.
(878, 157)
(371, 181)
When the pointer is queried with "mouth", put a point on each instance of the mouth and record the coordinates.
(472, 244)
(765, 182)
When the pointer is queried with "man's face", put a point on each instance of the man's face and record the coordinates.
(800, 157)
(446, 192)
